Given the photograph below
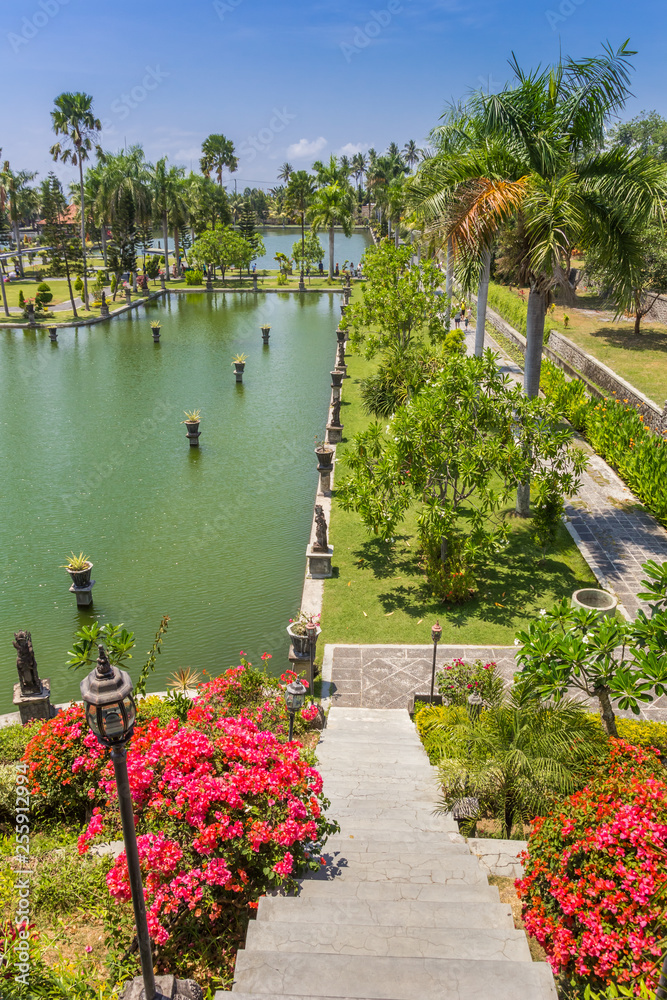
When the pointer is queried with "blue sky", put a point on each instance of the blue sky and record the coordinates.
(292, 80)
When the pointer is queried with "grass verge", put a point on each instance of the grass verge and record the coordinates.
(379, 592)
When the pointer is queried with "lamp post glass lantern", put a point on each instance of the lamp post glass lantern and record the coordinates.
(436, 633)
(474, 706)
(311, 632)
(111, 713)
(295, 697)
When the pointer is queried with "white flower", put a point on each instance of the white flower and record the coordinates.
(516, 642)
(387, 430)
(543, 611)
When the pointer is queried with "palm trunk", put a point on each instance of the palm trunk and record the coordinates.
(607, 711)
(449, 281)
(4, 290)
(176, 251)
(482, 299)
(537, 310)
(83, 237)
(165, 234)
(69, 285)
(397, 233)
(331, 251)
(17, 237)
(103, 237)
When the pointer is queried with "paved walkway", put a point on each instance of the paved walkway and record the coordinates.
(387, 677)
(613, 530)
(401, 908)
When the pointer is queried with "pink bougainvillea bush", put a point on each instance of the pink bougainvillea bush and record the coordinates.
(225, 809)
(596, 875)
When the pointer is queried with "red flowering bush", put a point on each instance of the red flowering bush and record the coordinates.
(457, 680)
(596, 872)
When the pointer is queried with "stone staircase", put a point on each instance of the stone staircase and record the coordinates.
(402, 909)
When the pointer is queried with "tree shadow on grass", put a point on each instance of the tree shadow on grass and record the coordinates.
(382, 560)
(649, 340)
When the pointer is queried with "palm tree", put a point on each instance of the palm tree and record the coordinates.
(299, 195)
(218, 155)
(393, 150)
(73, 118)
(329, 173)
(538, 160)
(333, 205)
(285, 172)
(16, 193)
(396, 201)
(166, 196)
(345, 167)
(516, 759)
(411, 153)
(359, 165)
(119, 174)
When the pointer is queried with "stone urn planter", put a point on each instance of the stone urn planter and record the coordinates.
(192, 431)
(600, 601)
(53, 334)
(340, 335)
(324, 458)
(81, 578)
(155, 330)
(266, 329)
(301, 643)
(239, 366)
(336, 378)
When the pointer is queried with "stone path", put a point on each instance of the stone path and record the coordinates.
(613, 530)
(402, 908)
(381, 677)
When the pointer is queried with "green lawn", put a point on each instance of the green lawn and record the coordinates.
(379, 593)
(641, 361)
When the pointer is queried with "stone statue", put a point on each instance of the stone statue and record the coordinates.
(26, 664)
(335, 414)
(104, 298)
(321, 543)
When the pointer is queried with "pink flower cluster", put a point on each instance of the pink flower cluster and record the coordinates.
(596, 873)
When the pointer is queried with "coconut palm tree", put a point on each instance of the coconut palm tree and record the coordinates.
(329, 173)
(359, 165)
(121, 173)
(411, 153)
(300, 192)
(19, 197)
(345, 167)
(218, 155)
(166, 197)
(332, 205)
(538, 160)
(73, 119)
(285, 172)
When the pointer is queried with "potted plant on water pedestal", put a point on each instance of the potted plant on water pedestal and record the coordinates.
(192, 423)
(298, 633)
(239, 365)
(79, 568)
(155, 330)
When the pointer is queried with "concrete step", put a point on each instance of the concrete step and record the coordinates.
(485, 944)
(426, 843)
(450, 891)
(363, 826)
(365, 866)
(365, 976)
(379, 716)
(387, 913)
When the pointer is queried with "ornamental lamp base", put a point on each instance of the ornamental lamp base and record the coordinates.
(168, 988)
(319, 563)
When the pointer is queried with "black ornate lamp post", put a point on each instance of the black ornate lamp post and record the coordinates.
(295, 697)
(436, 632)
(311, 632)
(111, 712)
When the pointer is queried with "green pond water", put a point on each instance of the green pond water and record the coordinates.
(94, 458)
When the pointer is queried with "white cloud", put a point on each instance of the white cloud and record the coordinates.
(351, 148)
(303, 148)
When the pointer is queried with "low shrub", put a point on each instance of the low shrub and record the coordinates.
(643, 733)
(13, 741)
(194, 277)
(433, 723)
(596, 873)
(458, 680)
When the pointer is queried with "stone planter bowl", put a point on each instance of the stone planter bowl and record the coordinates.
(81, 578)
(324, 458)
(591, 599)
(301, 643)
(239, 367)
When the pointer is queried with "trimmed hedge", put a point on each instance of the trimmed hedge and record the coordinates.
(617, 432)
(512, 308)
